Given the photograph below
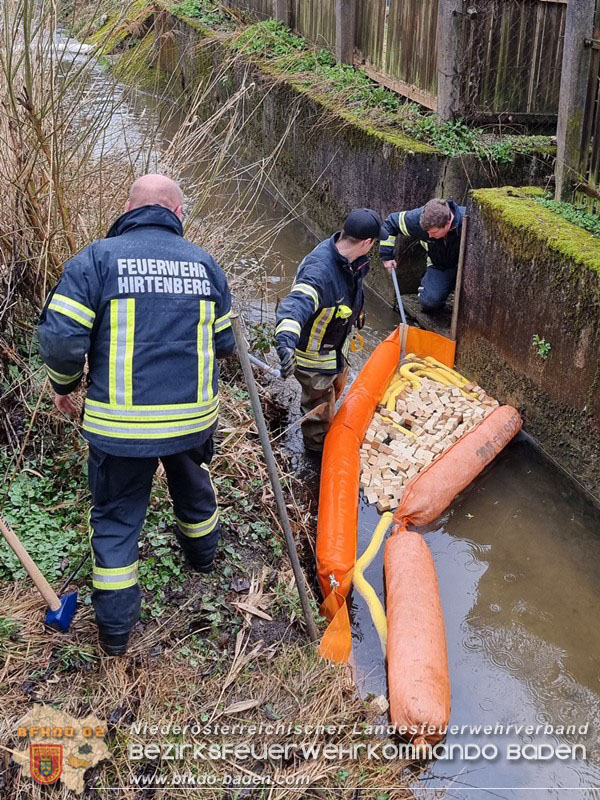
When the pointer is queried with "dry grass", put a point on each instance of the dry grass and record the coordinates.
(283, 682)
(255, 666)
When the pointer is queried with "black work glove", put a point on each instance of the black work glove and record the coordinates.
(287, 358)
(360, 321)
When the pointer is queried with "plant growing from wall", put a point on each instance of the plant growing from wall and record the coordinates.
(541, 346)
(578, 216)
(206, 12)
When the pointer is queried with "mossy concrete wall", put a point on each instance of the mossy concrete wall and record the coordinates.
(529, 272)
(330, 161)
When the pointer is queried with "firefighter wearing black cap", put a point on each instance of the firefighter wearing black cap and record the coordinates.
(314, 321)
(151, 312)
(438, 227)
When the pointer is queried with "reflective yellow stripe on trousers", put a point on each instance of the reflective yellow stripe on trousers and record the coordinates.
(196, 529)
(114, 577)
(110, 578)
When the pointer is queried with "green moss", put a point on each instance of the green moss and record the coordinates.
(518, 210)
(533, 191)
(394, 138)
(398, 140)
(134, 66)
(118, 28)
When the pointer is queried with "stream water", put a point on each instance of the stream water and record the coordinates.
(518, 561)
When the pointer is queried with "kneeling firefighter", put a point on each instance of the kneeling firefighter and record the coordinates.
(152, 313)
(314, 321)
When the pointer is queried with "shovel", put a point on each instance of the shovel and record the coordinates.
(263, 434)
(61, 610)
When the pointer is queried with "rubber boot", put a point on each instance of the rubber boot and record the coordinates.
(191, 557)
(113, 644)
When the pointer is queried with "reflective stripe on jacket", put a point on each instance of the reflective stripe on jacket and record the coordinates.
(441, 253)
(321, 308)
(152, 313)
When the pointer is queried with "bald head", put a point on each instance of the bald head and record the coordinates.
(155, 189)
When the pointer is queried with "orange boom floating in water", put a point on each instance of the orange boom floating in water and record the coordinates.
(419, 685)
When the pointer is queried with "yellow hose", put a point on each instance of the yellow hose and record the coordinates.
(429, 372)
(438, 365)
(364, 587)
(407, 368)
(406, 373)
(393, 383)
(438, 375)
(391, 400)
(441, 374)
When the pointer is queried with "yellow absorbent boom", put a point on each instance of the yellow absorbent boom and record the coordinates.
(364, 587)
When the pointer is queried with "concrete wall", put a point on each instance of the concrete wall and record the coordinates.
(332, 162)
(527, 271)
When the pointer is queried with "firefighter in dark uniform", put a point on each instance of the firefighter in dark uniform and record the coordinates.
(316, 318)
(438, 226)
(151, 311)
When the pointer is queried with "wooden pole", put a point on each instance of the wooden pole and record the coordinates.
(30, 567)
(345, 27)
(459, 273)
(263, 435)
(573, 95)
(450, 51)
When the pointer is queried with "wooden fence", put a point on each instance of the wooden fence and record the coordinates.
(590, 148)
(315, 20)
(370, 30)
(261, 9)
(578, 133)
(506, 53)
(411, 47)
(513, 58)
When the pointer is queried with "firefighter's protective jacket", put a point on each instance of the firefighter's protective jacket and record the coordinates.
(152, 313)
(441, 253)
(324, 303)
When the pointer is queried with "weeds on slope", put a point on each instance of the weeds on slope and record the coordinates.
(351, 89)
(578, 215)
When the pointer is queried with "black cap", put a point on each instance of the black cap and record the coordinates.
(364, 223)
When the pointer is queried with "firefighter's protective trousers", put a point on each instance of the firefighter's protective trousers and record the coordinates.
(120, 487)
